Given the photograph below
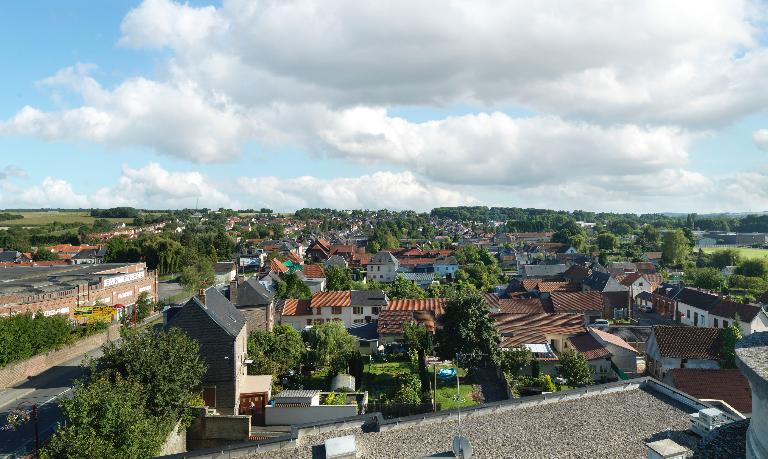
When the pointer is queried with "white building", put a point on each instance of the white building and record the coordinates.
(349, 307)
(383, 267)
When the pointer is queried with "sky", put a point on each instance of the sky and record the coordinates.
(623, 106)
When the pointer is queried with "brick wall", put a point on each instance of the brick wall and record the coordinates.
(18, 372)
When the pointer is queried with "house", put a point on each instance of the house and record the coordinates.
(588, 304)
(211, 320)
(671, 347)
(576, 273)
(254, 301)
(319, 251)
(721, 385)
(391, 324)
(664, 300)
(616, 305)
(336, 260)
(367, 336)
(314, 277)
(543, 271)
(225, 272)
(693, 306)
(446, 267)
(623, 354)
(89, 256)
(423, 280)
(598, 356)
(349, 307)
(751, 318)
(637, 283)
(13, 256)
(552, 329)
(599, 281)
(653, 257)
(383, 267)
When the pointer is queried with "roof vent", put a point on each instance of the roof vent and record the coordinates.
(667, 449)
(341, 448)
(707, 420)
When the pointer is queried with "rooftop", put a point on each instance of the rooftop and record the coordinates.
(31, 280)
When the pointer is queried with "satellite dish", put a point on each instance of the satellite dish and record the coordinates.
(461, 448)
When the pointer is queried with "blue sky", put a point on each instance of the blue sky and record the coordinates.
(243, 104)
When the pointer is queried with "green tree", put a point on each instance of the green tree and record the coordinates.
(107, 418)
(43, 254)
(547, 385)
(649, 238)
(275, 352)
(291, 286)
(338, 278)
(409, 389)
(707, 278)
(607, 241)
(144, 306)
(122, 250)
(721, 258)
(515, 359)
(199, 275)
(469, 330)
(753, 267)
(416, 337)
(167, 364)
(330, 346)
(731, 335)
(575, 369)
(569, 233)
(675, 248)
(402, 288)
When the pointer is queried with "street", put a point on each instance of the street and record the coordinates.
(650, 318)
(46, 389)
(170, 288)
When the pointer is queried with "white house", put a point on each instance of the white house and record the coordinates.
(349, 307)
(446, 267)
(750, 317)
(383, 267)
(624, 356)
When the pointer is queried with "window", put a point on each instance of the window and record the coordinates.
(357, 310)
(640, 284)
(714, 321)
(364, 343)
(336, 310)
(357, 321)
(725, 323)
(378, 268)
(209, 396)
(687, 313)
(375, 310)
(309, 321)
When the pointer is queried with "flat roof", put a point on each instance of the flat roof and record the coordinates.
(31, 280)
(615, 424)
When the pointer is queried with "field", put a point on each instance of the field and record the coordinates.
(744, 252)
(44, 218)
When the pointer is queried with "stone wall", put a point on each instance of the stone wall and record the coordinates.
(176, 442)
(209, 431)
(18, 372)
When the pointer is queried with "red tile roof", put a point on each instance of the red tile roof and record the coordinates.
(524, 306)
(328, 299)
(730, 309)
(683, 342)
(294, 307)
(613, 339)
(578, 302)
(436, 305)
(275, 265)
(295, 259)
(392, 322)
(728, 385)
(518, 329)
(313, 271)
(589, 347)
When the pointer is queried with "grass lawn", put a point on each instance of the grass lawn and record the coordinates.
(744, 252)
(44, 218)
(380, 377)
(446, 391)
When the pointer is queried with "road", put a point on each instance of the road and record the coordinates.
(169, 288)
(46, 389)
(650, 318)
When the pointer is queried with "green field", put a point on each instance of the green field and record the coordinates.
(44, 218)
(744, 252)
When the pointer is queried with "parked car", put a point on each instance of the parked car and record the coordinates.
(600, 323)
(646, 308)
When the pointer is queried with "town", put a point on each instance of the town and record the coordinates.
(273, 334)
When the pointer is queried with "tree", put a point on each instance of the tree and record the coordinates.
(416, 337)
(753, 267)
(291, 286)
(121, 250)
(107, 418)
(143, 306)
(706, 278)
(409, 389)
(198, 275)
(731, 335)
(675, 248)
(44, 255)
(338, 278)
(569, 233)
(547, 385)
(166, 363)
(275, 352)
(515, 360)
(607, 241)
(330, 346)
(648, 238)
(575, 369)
(469, 330)
(402, 288)
(721, 258)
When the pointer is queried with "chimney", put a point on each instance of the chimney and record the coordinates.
(201, 295)
(240, 279)
(233, 291)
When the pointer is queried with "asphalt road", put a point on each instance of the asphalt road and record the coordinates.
(46, 389)
(651, 318)
(167, 289)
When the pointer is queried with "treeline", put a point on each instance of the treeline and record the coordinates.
(115, 212)
(8, 216)
(747, 224)
(23, 336)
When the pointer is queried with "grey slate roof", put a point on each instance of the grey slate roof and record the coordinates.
(10, 256)
(544, 270)
(86, 254)
(365, 332)
(218, 308)
(368, 298)
(383, 258)
(418, 277)
(253, 293)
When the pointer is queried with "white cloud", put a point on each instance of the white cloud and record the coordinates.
(52, 193)
(160, 23)
(761, 138)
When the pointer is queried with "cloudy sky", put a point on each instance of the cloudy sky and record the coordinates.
(619, 106)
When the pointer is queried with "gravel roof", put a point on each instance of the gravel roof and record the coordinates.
(615, 425)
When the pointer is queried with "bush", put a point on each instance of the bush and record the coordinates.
(334, 398)
(24, 335)
(546, 384)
